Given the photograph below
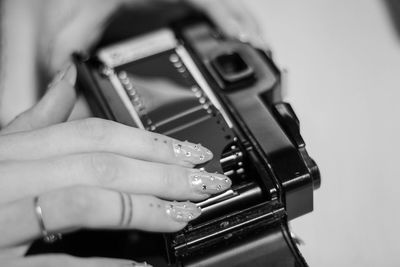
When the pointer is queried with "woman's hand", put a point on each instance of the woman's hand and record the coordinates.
(85, 173)
(91, 173)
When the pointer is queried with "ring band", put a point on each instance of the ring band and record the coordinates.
(47, 237)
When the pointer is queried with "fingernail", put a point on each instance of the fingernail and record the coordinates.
(140, 264)
(68, 74)
(182, 211)
(191, 153)
(208, 183)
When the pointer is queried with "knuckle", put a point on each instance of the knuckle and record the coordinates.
(152, 145)
(104, 262)
(57, 260)
(63, 259)
(101, 262)
(170, 180)
(104, 168)
(95, 130)
(81, 203)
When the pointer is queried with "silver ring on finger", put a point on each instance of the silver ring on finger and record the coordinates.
(48, 237)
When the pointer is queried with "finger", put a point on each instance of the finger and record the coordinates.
(111, 171)
(91, 207)
(235, 20)
(96, 135)
(59, 260)
(14, 252)
(54, 107)
(72, 26)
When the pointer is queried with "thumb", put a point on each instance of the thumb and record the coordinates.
(54, 107)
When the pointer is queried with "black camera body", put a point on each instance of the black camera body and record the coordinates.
(189, 81)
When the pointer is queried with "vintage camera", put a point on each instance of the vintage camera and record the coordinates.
(185, 79)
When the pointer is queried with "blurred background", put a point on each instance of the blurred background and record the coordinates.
(343, 59)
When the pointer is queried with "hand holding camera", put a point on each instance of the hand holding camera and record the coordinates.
(62, 176)
(92, 173)
(64, 163)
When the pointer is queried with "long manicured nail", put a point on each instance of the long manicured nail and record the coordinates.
(68, 74)
(191, 153)
(208, 183)
(182, 211)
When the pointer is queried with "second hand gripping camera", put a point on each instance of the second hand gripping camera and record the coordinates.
(188, 81)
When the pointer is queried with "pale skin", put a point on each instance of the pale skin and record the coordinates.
(75, 167)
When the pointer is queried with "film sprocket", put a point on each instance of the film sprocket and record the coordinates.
(188, 81)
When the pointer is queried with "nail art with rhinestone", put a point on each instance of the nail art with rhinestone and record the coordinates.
(208, 183)
(191, 153)
(182, 211)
